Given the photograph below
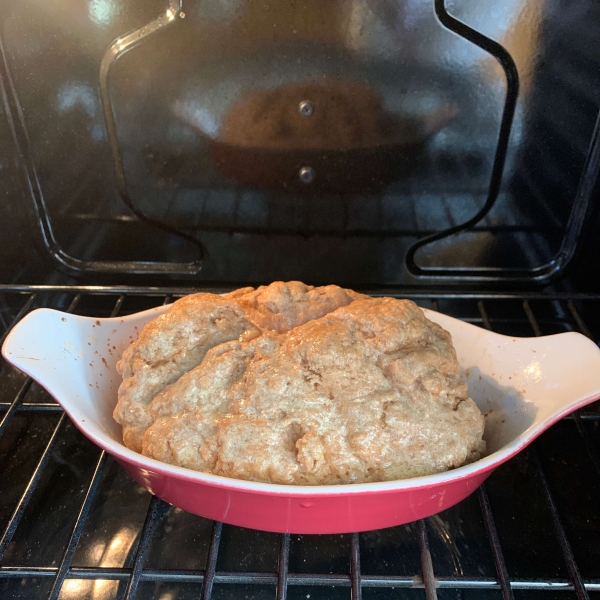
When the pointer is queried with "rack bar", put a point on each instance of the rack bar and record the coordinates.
(113, 52)
(14, 406)
(429, 580)
(297, 579)
(490, 526)
(510, 102)
(211, 561)
(31, 407)
(577, 318)
(15, 518)
(117, 307)
(24, 310)
(12, 409)
(282, 570)
(396, 291)
(65, 563)
(587, 442)
(156, 510)
(484, 315)
(578, 585)
(531, 318)
(355, 577)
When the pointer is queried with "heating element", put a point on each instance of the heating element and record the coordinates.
(74, 525)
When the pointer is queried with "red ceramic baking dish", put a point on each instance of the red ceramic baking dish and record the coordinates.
(523, 385)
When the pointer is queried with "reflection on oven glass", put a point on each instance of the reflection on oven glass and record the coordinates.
(103, 12)
(442, 530)
(104, 554)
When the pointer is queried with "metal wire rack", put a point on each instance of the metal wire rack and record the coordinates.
(515, 313)
(401, 212)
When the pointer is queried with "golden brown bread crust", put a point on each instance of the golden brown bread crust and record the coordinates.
(167, 348)
(178, 340)
(282, 306)
(321, 386)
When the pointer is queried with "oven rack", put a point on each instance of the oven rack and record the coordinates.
(532, 314)
(232, 222)
(442, 195)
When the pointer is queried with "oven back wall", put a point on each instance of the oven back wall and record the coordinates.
(257, 220)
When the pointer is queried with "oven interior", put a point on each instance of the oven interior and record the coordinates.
(122, 191)
(128, 157)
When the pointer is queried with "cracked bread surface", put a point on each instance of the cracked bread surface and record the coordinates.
(178, 340)
(314, 386)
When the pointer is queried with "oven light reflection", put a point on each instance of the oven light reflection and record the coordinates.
(533, 372)
(74, 95)
(103, 554)
(73, 588)
(102, 12)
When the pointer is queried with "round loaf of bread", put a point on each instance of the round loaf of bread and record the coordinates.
(293, 384)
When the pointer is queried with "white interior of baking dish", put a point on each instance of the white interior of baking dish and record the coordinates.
(520, 384)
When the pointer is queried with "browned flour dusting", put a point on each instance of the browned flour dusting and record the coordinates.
(298, 385)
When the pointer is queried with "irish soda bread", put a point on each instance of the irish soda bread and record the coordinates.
(294, 384)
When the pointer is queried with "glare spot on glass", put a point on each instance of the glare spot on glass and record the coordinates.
(98, 133)
(104, 589)
(108, 553)
(73, 588)
(118, 548)
(206, 120)
(76, 94)
(111, 553)
(170, 14)
(102, 11)
(96, 552)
